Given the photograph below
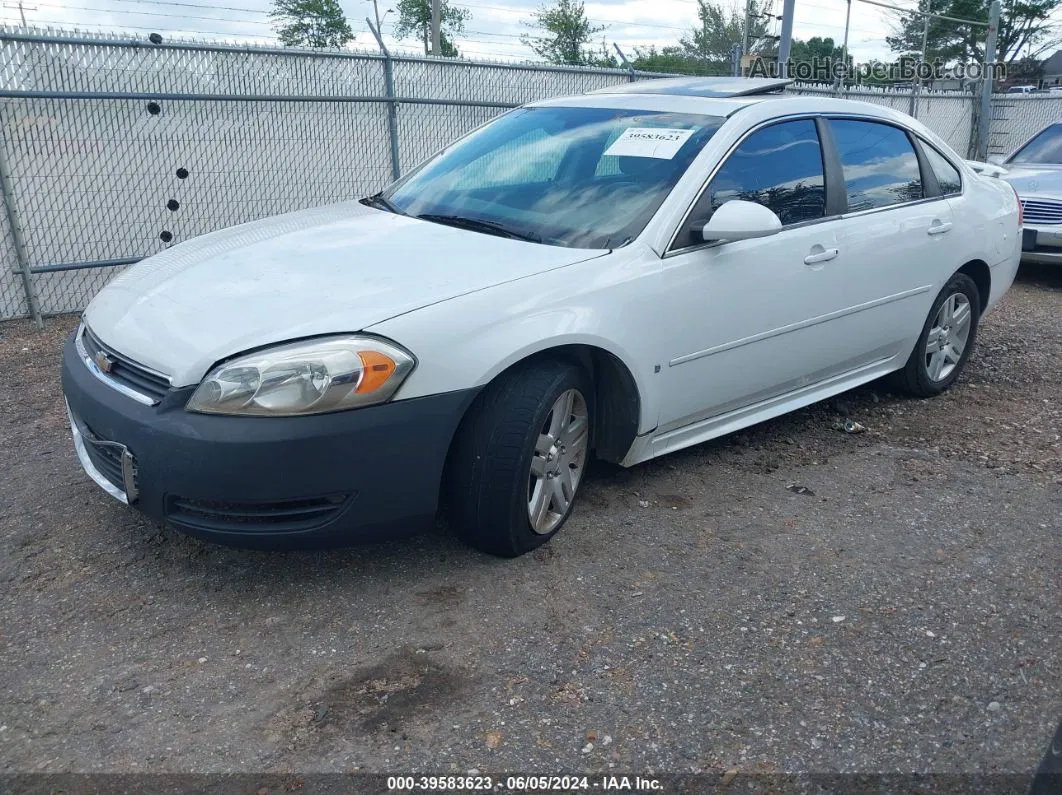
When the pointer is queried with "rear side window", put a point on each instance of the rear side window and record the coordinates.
(947, 175)
(779, 167)
(879, 163)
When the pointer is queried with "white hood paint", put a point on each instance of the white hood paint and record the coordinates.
(333, 269)
(1033, 180)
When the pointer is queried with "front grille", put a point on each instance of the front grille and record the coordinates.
(108, 460)
(283, 516)
(105, 455)
(1039, 211)
(127, 372)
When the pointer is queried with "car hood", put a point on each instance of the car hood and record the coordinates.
(1035, 180)
(333, 269)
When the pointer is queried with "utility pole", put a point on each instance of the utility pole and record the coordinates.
(786, 43)
(984, 119)
(626, 64)
(436, 38)
(839, 80)
(745, 32)
(913, 111)
(376, 11)
(21, 10)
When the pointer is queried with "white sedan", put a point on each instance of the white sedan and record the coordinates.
(620, 274)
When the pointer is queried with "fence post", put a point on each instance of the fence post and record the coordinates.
(984, 121)
(626, 63)
(392, 109)
(8, 195)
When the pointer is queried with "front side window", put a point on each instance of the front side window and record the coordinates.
(1046, 147)
(947, 175)
(880, 166)
(566, 176)
(779, 167)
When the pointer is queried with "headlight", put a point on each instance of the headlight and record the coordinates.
(310, 377)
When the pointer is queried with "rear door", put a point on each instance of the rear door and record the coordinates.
(895, 235)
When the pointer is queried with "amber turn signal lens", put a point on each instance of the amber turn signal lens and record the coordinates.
(378, 368)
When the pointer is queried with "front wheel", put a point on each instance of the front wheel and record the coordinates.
(946, 341)
(519, 458)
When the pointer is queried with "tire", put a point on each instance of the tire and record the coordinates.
(927, 374)
(506, 432)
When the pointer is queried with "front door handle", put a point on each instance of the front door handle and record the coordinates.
(822, 256)
(939, 227)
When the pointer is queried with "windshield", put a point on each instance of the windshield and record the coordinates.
(1044, 148)
(577, 177)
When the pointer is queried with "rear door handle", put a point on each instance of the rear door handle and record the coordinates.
(939, 227)
(822, 256)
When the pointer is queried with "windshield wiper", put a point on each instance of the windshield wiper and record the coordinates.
(378, 201)
(479, 225)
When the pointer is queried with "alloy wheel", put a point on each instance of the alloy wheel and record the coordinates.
(948, 336)
(558, 462)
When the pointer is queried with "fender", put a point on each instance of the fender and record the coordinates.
(599, 303)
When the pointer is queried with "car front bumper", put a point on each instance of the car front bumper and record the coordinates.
(1042, 244)
(284, 482)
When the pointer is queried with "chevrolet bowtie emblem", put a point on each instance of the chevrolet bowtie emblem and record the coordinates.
(103, 361)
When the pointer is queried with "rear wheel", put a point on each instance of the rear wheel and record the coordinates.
(946, 341)
(519, 458)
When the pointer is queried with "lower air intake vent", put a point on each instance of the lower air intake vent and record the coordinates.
(285, 516)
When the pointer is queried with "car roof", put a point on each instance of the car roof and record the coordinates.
(708, 87)
(770, 104)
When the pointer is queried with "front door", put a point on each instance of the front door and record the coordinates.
(750, 319)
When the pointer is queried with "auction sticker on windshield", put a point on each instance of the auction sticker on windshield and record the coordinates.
(659, 142)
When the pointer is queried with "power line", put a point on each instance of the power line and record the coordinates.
(924, 13)
(159, 14)
(65, 24)
(246, 10)
(202, 6)
(464, 42)
(591, 19)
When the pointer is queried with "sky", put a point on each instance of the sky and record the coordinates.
(492, 33)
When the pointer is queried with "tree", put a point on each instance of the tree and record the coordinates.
(1024, 27)
(566, 34)
(878, 73)
(605, 57)
(310, 23)
(1026, 71)
(672, 60)
(719, 29)
(815, 48)
(821, 54)
(414, 19)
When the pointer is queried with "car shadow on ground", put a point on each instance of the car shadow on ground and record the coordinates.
(1048, 277)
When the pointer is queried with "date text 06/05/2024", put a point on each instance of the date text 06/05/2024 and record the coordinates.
(523, 783)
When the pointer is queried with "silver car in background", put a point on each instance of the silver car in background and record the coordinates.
(1035, 171)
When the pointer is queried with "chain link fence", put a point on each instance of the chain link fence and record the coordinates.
(1018, 117)
(114, 149)
(12, 290)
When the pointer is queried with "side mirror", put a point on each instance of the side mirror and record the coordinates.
(996, 160)
(741, 220)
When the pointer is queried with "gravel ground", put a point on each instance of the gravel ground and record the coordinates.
(789, 598)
